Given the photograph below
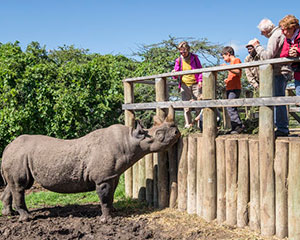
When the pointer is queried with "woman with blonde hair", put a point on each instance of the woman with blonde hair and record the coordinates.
(190, 85)
(291, 46)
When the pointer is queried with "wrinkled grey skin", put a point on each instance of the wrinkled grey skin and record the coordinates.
(92, 162)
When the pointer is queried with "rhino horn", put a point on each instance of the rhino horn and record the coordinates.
(171, 114)
(157, 120)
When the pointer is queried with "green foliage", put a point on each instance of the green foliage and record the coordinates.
(65, 93)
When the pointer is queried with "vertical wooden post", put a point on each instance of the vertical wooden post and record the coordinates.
(182, 173)
(155, 180)
(281, 171)
(254, 211)
(129, 121)
(163, 186)
(221, 180)
(135, 180)
(172, 156)
(294, 190)
(231, 156)
(243, 183)
(142, 180)
(191, 179)
(149, 178)
(209, 149)
(266, 153)
(199, 177)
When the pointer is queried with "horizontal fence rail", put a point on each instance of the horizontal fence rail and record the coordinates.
(213, 69)
(241, 102)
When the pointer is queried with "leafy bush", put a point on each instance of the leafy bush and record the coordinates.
(65, 93)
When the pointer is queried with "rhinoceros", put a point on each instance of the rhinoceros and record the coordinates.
(92, 162)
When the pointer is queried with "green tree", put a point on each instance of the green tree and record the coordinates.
(65, 93)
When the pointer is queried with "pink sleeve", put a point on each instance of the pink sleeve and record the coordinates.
(285, 49)
(198, 66)
(176, 67)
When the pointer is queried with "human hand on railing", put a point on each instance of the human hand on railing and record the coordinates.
(293, 51)
(223, 64)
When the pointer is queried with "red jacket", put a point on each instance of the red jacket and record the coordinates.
(285, 51)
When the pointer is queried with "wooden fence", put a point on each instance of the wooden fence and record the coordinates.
(238, 180)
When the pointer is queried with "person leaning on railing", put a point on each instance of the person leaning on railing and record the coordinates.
(291, 46)
(282, 73)
(252, 73)
(190, 85)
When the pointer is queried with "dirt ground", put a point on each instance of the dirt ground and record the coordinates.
(83, 222)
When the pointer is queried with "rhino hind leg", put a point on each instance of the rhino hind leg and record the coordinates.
(6, 199)
(19, 203)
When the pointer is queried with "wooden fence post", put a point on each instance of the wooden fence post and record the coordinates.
(129, 121)
(172, 156)
(182, 173)
(254, 208)
(149, 178)
(199, 177)
(142, 180)
(221, 180)
(163, 186)
(266, 153)
(231, 156)
(294, 191)
(209, 149)
(243, 183)
(191, 178)
(281, 171)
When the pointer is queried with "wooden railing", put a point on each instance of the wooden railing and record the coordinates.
(266, 101)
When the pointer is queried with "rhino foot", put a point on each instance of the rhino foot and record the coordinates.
(105, 219)
(8, 212)
(25, 217)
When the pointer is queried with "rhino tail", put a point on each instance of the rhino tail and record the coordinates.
(2, 174)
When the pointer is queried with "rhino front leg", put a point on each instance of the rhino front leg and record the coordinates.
(105, 192)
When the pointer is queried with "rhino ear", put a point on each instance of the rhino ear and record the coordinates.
(171, 114)
(139, 132)
(157, 120)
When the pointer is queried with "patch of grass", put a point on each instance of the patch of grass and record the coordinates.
(47, 198)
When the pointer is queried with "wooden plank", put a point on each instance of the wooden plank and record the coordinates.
(214, 69)
(216, 103)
